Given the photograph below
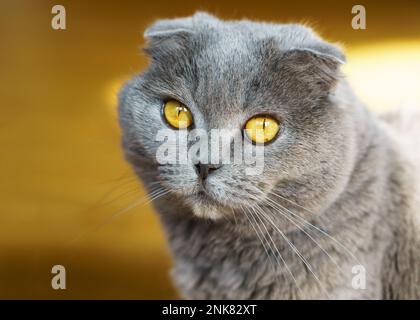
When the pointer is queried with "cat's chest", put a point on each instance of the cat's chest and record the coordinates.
(226, 277)
(215, 263)
(262, 277)
(218, 264)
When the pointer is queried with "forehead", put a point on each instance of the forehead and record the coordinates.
(225, 67)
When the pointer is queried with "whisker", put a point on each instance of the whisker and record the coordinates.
(324, 233)
(234, 216)
(101, 202)
(306, 233)
(295, 250)
(277, 250)
(128, 175)
(144, 200)
(298, 206)
(259, 237)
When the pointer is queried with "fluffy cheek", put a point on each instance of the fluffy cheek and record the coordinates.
(235, 189)
(180, 179)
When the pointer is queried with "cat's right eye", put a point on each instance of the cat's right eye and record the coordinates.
(177, 115)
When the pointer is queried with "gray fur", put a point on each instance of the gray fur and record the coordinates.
(336, 165)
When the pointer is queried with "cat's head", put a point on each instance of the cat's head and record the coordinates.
(219, 75)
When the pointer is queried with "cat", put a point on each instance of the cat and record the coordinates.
(334, 213)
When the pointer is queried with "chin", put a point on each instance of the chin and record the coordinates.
(204, 207)
(206, 212)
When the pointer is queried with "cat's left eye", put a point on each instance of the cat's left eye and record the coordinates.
(262, 129)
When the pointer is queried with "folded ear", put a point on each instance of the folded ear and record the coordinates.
(166, 36)
(166, 27)
(316, 65)
(326, 50)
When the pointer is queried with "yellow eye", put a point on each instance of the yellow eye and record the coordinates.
(177, 114)
(262, 129)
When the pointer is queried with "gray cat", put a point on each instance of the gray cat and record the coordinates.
(333, 215)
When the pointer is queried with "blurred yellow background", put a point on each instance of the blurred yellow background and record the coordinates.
(63, 179)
